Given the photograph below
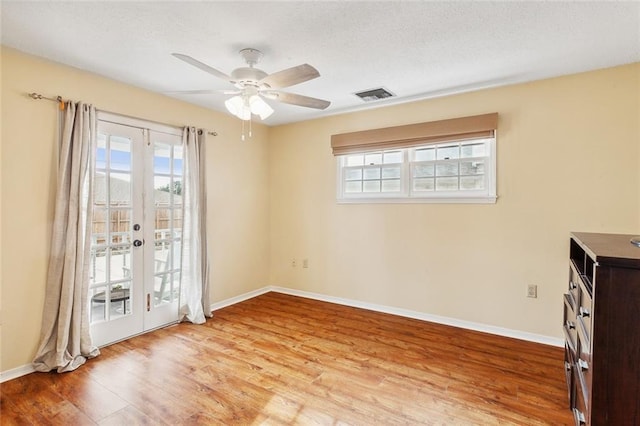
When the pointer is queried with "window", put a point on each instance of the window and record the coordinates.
(461, 171)
(450, 161)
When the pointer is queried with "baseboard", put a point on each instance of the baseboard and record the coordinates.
(469, 325)
(14, 373)
(240, 298)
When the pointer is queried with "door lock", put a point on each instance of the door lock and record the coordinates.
(136, 227)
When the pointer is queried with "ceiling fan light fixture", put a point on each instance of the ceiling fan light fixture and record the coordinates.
(259, 107)
(238, 107)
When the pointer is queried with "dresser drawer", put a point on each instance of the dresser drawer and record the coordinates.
(569, 326)
(584, 311)
(569, 362)
(583, 375)
(579, 411)
(574, 283)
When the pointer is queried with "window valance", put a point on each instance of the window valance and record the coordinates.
(477, 126)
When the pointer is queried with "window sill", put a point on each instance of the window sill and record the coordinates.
(419, 200)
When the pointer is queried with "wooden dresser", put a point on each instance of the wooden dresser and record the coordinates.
(602, 330)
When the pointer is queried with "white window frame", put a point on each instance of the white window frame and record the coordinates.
(406, 195)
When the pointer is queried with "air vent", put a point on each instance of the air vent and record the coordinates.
(374, 94)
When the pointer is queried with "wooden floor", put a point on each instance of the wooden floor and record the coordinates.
(279, 359)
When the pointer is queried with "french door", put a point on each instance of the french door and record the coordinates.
(135, 259)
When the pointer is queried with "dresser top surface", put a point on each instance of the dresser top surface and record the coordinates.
(609, 248)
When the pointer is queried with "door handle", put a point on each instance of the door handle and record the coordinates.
(138, 243)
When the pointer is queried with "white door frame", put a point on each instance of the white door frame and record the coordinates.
(142, 310)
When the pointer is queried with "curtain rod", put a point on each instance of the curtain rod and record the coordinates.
(60, 101)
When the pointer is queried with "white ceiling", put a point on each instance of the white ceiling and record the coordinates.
(414, 49)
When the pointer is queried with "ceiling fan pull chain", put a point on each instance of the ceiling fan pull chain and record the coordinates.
(242, 129)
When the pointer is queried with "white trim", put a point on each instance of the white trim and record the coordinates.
(469, 325)
(240, 298)
(14, 373)
(418, 200)
(139, 123)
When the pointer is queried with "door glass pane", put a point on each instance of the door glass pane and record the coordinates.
(99, 225)
(97, 304)
(120, 226)
(161, 158)
(97, 269)
(120, 189)
(120, 303)
(162, 289)
(120, 263)
(162, 259)
(176, 229)
(176, 190)
(100, 189)
(177, 160)
(120, 153)
(162, 232)
(162, 190)
(177, 255)
(101, 152)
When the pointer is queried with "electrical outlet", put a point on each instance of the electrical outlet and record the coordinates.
(532, 291)
(305, 263)
(293, 263)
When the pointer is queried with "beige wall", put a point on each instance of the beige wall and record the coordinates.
(568, 160)
(238, 197)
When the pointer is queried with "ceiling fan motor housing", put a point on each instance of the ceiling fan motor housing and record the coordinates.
(247, 76)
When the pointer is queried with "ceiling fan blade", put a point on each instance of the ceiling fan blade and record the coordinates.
(294, 99)
(204, 67)
(290, 76)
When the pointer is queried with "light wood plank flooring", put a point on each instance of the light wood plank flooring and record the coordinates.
(278, 359)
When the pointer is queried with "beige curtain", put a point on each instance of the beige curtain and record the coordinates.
(65, 342)
(194, 286)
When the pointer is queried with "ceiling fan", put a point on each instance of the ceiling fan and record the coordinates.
(253, 84)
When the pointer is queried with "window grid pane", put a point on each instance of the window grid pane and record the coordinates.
(449, 168)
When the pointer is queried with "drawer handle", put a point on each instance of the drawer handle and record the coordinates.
(579, 416)
(584, 312)
(583, 364)
(567, 366)
(571, 325)
(572, 285)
